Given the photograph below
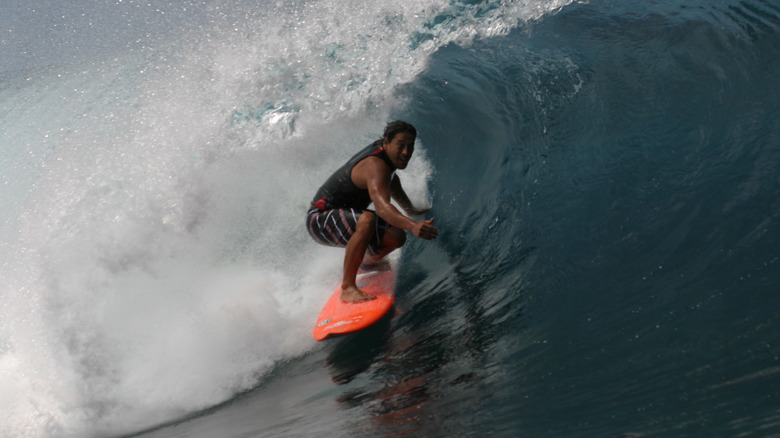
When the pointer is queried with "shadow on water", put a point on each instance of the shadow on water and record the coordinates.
(354, 353)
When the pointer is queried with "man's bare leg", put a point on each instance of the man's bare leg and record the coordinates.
(370, 264)
(356, 248)
(393, 239)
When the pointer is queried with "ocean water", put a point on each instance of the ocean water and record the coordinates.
(605, 176)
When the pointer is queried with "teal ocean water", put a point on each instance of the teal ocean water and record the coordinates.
(605, 176)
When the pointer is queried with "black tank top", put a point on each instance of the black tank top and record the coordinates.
(340, 192)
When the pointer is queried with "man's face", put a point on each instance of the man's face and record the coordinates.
(400, 149)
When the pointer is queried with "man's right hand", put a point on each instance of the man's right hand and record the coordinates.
(424, 229)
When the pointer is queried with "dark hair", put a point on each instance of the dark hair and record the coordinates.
(397, 127)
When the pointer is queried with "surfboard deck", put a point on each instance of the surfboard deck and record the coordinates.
(338, 318)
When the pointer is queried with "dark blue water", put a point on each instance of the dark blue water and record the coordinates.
(606, 181)
(610, 182)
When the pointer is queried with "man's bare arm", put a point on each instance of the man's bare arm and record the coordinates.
(399, 195)
(374, 174)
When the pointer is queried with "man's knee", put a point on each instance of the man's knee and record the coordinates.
(394, 237)
(366, 222)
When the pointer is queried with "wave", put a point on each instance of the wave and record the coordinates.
(151, 247)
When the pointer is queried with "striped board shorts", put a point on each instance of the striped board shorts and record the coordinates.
(336, 227)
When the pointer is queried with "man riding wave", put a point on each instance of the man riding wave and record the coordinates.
(339, 214)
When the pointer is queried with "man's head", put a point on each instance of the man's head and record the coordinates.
(398, 142)
(396, 127)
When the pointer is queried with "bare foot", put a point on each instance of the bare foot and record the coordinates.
(354, 295)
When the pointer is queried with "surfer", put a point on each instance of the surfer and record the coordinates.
(339, 214)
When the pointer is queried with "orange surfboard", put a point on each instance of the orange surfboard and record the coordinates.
(338, 317)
